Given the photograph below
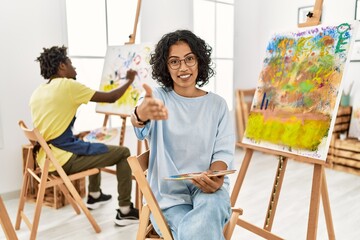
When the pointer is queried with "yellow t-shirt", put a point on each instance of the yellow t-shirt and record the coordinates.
(53, 105)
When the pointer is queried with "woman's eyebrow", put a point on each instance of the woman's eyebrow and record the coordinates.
(184, 55)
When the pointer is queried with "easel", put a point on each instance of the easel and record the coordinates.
(319, 185)
(124, 117)
(319, 189)
(313, 18)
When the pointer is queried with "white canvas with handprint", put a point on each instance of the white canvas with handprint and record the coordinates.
(118, 60)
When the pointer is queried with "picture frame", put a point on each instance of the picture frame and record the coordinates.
(355, 55)
(303, 12)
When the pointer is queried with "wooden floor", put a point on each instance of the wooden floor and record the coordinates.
(290, 220)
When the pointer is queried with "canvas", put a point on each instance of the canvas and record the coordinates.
(118, 60)
(299, 89)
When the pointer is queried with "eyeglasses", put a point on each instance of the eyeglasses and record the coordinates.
(175, 63)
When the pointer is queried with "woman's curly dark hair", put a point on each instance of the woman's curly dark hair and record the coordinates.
(159, 59)
(50, 60)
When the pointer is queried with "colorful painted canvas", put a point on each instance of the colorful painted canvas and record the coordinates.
(299, 90)
(118, 60)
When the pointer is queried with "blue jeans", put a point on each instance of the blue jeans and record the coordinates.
(205, 219)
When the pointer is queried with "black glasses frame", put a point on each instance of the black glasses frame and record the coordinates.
(184, 59)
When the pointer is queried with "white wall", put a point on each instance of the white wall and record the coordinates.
(159, 17)
(25, 27)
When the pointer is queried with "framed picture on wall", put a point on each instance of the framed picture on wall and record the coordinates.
(303, 12)
(355, 55)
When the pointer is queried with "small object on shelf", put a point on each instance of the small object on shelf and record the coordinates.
(343, 136)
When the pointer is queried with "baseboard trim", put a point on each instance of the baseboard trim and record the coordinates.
(10, 195)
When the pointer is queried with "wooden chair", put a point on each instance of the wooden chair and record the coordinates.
(244, 100)
(5, 222)
(46, 180)
(138, 166)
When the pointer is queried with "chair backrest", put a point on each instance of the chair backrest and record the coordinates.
(143, 160)
(34, 136)
(29, 134)
(138, 166)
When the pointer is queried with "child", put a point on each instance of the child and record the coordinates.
(53, 107)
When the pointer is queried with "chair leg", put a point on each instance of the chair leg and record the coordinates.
(39, 201)
(230, 226)
(24, 190)
(144, 222)
(79, 200)
(69, 198)
(6, 223)
(67, 195)
(138, 197)
(22, 199)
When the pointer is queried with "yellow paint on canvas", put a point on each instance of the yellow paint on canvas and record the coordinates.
(291, 132)
(130, 97)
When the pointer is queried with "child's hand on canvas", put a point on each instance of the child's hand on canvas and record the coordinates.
(130, 75)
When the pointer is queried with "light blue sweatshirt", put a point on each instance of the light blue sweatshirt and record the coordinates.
(198, 132)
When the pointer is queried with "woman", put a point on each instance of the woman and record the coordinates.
(189, 130)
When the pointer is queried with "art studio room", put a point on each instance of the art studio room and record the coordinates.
(265, 95)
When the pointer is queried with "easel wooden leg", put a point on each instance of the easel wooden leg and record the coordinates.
(106, 118)
(326, 205)
(315, 202)
(275, 193)
(257, 230)
(241, 176)
(319, 190)
(122, 131)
